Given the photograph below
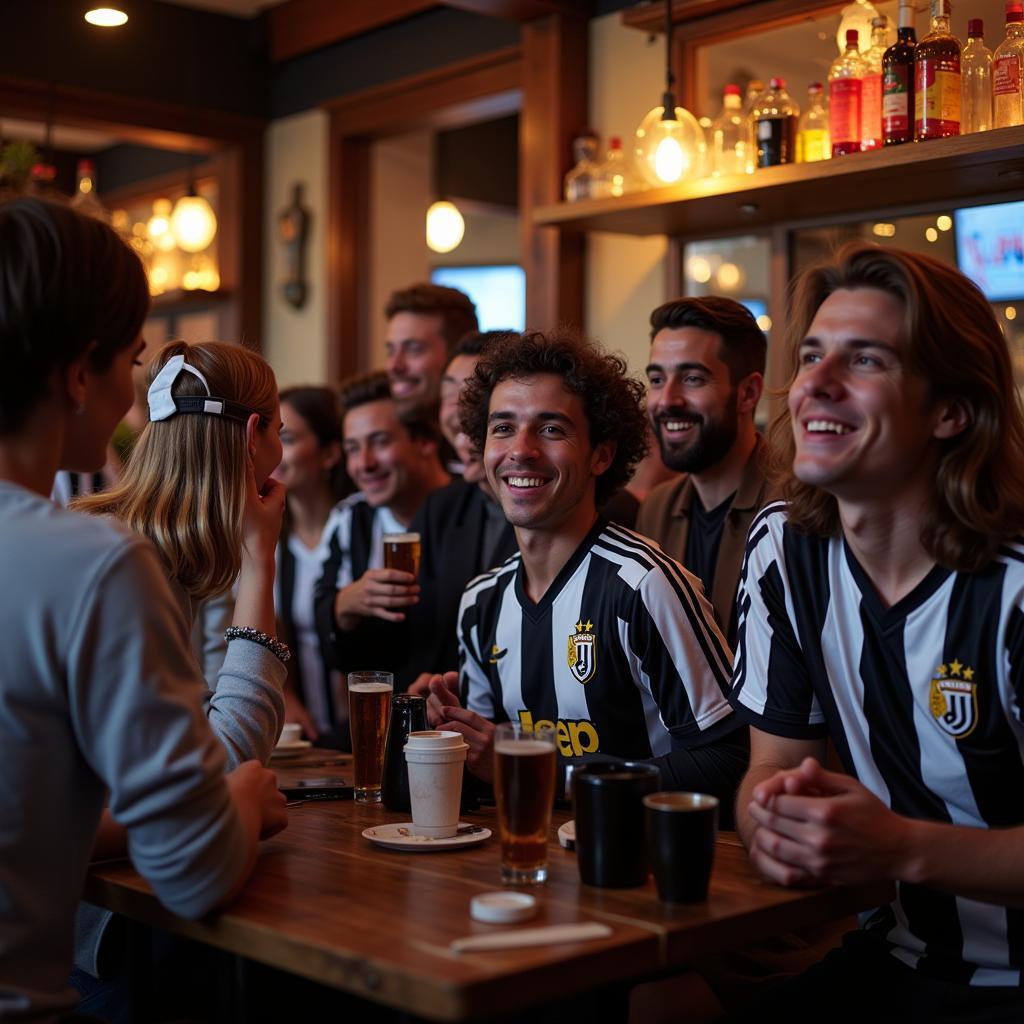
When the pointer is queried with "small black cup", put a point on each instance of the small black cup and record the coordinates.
(408, 714)
(607, 802)
(681, 831)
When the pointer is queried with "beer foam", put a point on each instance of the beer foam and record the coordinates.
(523, 748)
(370, 688)
(401, 538)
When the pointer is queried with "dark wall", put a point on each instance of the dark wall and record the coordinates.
(121, 165)
(421, 43)
(480, 162)
(164, 52)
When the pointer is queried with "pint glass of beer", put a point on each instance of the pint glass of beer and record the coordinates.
(402, 552)
(369, 708)
(524, 788)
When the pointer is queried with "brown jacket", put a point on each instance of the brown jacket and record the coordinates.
(665, 517)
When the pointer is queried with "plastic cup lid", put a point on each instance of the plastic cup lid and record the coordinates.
(503, 907)
(434, 739)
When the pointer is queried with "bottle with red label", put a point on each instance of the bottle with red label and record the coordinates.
(898, 81)
(937, 79)
(871, 89)
(845, 90)
(1008, 70)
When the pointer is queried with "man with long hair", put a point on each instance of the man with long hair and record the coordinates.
(591, 628)
(882, 606)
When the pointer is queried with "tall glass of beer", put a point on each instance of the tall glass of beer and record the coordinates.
(369, 708)
(524, 788)
(402, 552)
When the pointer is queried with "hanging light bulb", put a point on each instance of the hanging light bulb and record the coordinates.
(445, 227)
(193, 222)
(669, 144)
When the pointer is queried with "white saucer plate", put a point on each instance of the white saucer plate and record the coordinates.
(286, 750)
(399, 837)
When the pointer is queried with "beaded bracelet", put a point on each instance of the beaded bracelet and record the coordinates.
(272, 644)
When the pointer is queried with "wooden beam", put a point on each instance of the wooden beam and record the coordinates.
(479, 89)
(524, 10)
(554, 110)
(147, 122)
(729, 17)
(301, 26)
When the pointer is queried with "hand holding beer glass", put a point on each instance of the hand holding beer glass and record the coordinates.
(369, 708)
(524, 788)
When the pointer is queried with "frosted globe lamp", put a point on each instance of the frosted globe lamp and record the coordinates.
(445, 227)
(106, 17)
(856, 16)
(193, 223)
(669, 151)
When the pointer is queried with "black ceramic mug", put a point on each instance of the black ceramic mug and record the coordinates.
(681, 831)
(408, 714)
(608, 805)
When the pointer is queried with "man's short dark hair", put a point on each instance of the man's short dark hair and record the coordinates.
(455, 308)
(475, 342)
(67, 281)
(612, 401)
(375, 387)
(744, 347)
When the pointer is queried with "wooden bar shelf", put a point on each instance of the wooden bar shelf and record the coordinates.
(986, 164)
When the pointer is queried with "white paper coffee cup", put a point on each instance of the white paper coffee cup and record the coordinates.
(435, 759)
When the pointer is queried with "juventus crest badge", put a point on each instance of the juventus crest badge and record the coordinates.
(582, 655)
(953, 700)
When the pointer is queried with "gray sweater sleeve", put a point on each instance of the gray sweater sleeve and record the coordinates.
(135, 703)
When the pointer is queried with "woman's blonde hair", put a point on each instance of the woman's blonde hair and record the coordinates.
(184, 484)
(954, 344)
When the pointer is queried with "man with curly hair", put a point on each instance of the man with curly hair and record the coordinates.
(590, 628)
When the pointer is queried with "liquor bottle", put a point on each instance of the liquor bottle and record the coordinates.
(1008, 70)
(812, 137)
(871, 90)
(774, 117)
(85, 199)
(845, 82)
(579, 182)
(615, 177)
(976, 81)
(898, 82)
(937, 79)
(754, 89)
(729, 137)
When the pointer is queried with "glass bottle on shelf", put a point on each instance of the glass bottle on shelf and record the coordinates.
(937, 79)
(615, 177)
(1008, 70)
(975, 81)
(85, 199)
(579, 182)
(754, 89)
(730, 136)
(898, 81)
(845, 94)
(812, 136)
(871, 89)
(774, 118)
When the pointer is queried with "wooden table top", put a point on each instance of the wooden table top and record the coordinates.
(327, 904)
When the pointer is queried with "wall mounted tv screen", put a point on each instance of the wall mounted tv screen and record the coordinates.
(990, 249)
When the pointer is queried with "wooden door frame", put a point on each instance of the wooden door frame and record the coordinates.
(544, 81)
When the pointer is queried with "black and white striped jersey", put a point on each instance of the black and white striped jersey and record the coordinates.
(922, 701)
(621, 655)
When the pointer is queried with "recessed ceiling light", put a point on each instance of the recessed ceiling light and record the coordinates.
(106, 17)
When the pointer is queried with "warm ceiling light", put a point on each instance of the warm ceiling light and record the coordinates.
(1010, 312)
(700, 269)
(106, 17)
(445, 227)
(944, 222)
(193, 223)
(764, 321)
(932, 235)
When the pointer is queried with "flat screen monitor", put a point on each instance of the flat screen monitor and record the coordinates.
(990, 249)
(498, 291)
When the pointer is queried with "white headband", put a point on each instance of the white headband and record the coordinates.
(163, 405)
